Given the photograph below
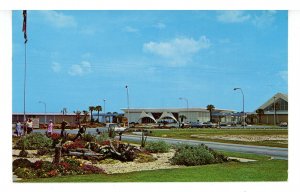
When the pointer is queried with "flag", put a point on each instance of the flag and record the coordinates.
(24, 25)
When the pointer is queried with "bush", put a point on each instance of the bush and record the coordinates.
(21, 163)
(43, 151)
(195, 155)
(157, 147)
(102, 137)
(33, 141)
(89, 137)
(144, 158)
(25, 173)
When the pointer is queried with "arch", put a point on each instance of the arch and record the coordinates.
(144, 114)
(166, 114)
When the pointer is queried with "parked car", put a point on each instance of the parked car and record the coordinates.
(197, 125)
(210, 125)
(283, 124)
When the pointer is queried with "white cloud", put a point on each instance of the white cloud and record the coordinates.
(80, 69)
(59, 19)
(232, 16)
(178, 51)
(159, 25)
(130, 29)
(265, 19)
(283, 75)
(56, 67)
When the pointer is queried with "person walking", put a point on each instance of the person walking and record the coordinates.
(18, 128)
(50, 128)
(63, 127)
(29, 126)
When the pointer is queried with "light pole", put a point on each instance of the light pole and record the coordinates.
(243, 105)
(274, 112)
(127, 104)
(45, 110)
(187, 107)
(104, 110)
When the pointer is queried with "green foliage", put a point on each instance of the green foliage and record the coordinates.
(157, 147)
(21, 163)
(145, 158)
(196, 155)
(34, 141)
(25, 173)
(102, 137)
(89, 137)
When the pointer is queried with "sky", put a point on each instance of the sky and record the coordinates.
(76, 59)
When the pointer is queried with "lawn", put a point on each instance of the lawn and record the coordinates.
(233, 171)
(206, 134)
(263, 169)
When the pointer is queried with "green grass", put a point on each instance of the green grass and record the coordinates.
(186, 134)
(268, 170)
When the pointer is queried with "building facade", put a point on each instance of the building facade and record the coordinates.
(275, 110)
(171, 115)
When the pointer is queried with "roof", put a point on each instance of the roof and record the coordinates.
(271, 100)
(171, 110)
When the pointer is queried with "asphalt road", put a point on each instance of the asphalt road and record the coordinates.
(274, 152)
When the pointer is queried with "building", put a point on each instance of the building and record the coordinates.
(171, 115)
(43, 118)
(279, 102)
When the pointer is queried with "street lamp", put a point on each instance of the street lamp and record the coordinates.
(104, 110)
(45, 110)
(187, 106)
(243, 105)
(274, 111)
(127, 104)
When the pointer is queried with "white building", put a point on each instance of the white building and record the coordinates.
(155, 115)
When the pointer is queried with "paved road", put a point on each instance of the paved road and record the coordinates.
(275, 152)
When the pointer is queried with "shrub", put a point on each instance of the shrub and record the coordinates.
(25, 173)
(89, 169)
(21, 163)
(89, 137)
(43, 151)
(34, 141)
(192, 155)
(23, 153)
(157, 147)
(144, 158)
(102, 137)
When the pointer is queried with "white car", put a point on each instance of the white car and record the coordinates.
(116, 127)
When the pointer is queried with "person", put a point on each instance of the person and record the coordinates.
(81, 131)
(50, 128)
(18, 128)
(29, 126)
(63, 127)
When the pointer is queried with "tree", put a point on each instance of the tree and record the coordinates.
(260, 113)
(210, 108)
(85, 113)
(91, 108)
(98, 108)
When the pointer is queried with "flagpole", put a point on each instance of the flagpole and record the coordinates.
(24, 94)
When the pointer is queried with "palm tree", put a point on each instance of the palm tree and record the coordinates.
(210, 108)
(91, 108)
(98, 108)
(260, 112)
(85, 113)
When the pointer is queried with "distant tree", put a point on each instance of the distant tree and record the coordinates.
(85, 113)
(210, 108)
(98, 108)
(91, 108)
(260, 113)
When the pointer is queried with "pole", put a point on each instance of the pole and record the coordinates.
(243, 105)
(127, 105)
(274, 112)
(24, 93)
(104, 111)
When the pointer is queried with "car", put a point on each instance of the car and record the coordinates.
(197, 125)
(210, 124)
(283, 124)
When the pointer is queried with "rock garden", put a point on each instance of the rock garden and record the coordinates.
(36, 155)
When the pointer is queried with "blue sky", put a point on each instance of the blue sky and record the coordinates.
(76, 59)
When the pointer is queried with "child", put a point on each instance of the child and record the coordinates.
(50, 128)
